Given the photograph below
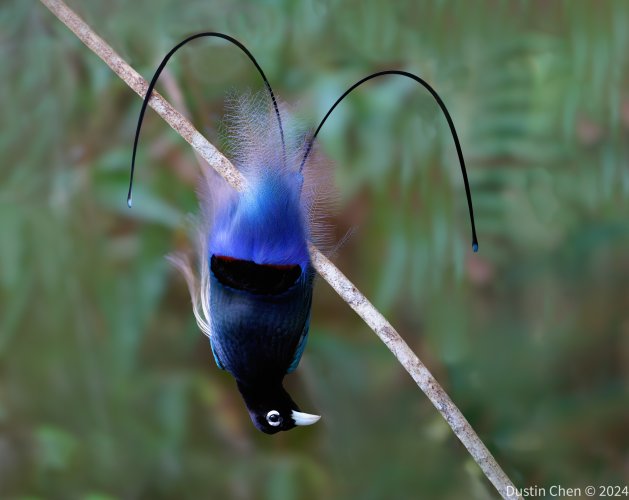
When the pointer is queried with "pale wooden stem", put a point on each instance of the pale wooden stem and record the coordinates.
(337, 280)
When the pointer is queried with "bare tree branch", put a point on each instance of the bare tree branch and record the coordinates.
(337, 280)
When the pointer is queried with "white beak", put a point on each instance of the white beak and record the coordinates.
(304, 418)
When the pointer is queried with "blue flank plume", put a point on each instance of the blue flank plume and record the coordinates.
(264, 223)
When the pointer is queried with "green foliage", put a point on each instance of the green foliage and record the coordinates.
(107, 389)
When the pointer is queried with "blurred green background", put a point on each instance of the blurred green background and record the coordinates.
(107, 388)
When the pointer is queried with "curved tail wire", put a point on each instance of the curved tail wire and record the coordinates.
(445, 112)
(158, 72)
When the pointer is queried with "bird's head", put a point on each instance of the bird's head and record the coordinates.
(272, 410)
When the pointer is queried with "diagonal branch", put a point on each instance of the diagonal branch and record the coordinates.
(337, 280)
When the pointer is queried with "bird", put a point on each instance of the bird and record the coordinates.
(252, 292)
(256, 278)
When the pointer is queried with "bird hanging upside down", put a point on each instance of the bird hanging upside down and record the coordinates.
(254, 294)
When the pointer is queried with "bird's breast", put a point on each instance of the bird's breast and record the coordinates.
(258, 314)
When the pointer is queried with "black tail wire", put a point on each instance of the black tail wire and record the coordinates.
(443, 109)
(158, 72)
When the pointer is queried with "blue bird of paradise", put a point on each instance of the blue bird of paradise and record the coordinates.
(252, 292)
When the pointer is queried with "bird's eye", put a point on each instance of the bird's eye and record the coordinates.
(273, 418)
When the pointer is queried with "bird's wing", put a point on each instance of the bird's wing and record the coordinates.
(301, 345)
(216, 358)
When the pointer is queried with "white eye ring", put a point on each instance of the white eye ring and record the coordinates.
(273, 418)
